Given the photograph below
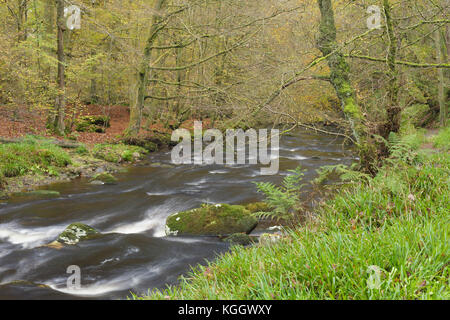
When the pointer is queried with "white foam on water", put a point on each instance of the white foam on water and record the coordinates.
(163, 193)
(146, 224)
(130, 189)
(218, 171)
(154, 219)
(103, 287)
(95, 290)
(296, 157)
(29, 238)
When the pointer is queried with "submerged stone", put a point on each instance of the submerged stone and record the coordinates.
(161, 165)
(212, 220)
(97, 182)
(104, 177)
(75, 233)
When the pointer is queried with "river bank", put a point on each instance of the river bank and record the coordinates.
(379, 238)
(34, 161)
(133, 252)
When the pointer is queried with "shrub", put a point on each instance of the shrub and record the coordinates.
(282, 200)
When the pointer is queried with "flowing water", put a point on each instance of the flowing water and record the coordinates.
(134, 254)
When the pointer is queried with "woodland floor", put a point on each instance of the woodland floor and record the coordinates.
(17, 123)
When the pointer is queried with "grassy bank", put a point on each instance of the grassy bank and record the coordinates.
(382, 238)
(35, 161)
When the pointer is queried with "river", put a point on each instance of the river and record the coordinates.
(134, 254)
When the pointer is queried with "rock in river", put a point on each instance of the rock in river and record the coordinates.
(73, 234)
(104, 177)
(211, 220)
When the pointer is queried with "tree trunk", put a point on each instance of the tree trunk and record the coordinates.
(22, 20)
(49, 23)
(61, 99)
(440, 55)
(339, 69)
(138, 94)
(393, 110)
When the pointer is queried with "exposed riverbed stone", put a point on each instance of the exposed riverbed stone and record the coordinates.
(104, 177)
(92, 124)
(75, 233)
(38, 194)
(219, 219)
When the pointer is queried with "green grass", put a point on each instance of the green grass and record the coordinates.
(442, 140)
(32, 155)
(116, 152)
(396, 223)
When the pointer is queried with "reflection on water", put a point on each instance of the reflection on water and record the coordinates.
(133, 253)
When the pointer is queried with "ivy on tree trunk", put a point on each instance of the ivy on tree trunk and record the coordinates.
(339, 69)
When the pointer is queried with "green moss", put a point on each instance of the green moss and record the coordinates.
(220, 219)
(75, 233)
(116, 152)
(92, 124)
(82, 150)
(38, 193)
(258, 207)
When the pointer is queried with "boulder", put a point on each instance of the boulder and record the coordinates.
(92, 124)
(75, 233)
(211, 220)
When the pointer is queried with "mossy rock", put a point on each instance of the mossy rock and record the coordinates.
(92, 124)
(258, 207)
(104, 177)
(161, 165)
(75, 233)
(241, 239)
(219, 219)
(117, 153)
(151, 142)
